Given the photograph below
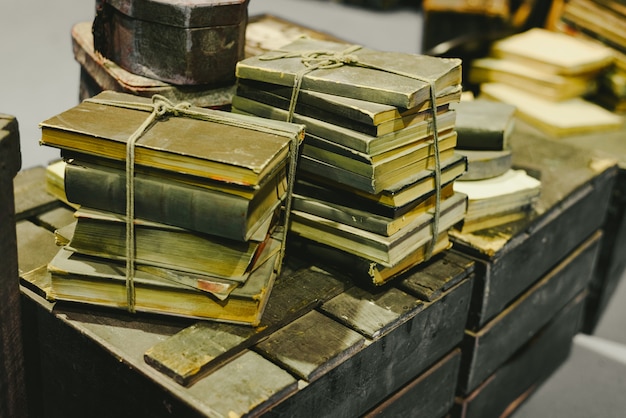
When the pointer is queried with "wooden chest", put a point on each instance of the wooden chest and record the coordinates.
(324, 347)
(182, 42)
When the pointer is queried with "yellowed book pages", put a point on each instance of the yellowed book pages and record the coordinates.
(553, 51)
(558, 119)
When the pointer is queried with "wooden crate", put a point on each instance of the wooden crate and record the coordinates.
(523, 372)
(371, 344)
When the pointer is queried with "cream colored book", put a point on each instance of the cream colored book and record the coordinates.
(553, 52)
(568, 117)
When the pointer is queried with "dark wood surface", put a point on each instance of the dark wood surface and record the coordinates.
(576, 189)
(515, 380)
(490, 347)
(12, 378)
(375, 342)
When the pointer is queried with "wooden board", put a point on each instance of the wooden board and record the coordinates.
(31, 197)
(12, 379)
(515, 380)
(485, 350)
(430, 395)
(576, 188)
(82, 356)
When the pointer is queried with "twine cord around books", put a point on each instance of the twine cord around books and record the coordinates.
(159, 108)
(324, 60)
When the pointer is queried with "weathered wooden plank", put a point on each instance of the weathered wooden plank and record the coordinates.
(311, 345)
(430, 395)
(533, 363)
(31, 197)
(12, 378)
(36, 246)
(196, 350)
(56, 218)
(576, 186)
(485, 350)
(384, 364)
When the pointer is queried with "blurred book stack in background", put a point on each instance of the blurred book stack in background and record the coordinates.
(547, 76)
(206, 196)
(365, 189)
(602, 22)
(497, 193)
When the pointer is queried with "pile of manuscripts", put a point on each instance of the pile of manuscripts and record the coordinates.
(374, 187)
(179, 207)
(498, 193)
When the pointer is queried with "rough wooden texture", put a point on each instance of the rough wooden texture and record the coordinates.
(485, 350)
(501, 393)
(56, 218)
(40, 244)
(612, 263)
(12, 378)
(31, 197)
(430, 395)
(576, 186)
(178, 42)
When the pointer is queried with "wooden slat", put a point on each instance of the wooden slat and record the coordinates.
(195, 351)
(12, 378)
(36, 246)
(56, 218)
(31, 197)
(485, 350)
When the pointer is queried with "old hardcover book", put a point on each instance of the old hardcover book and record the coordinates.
(484, 124)
(393, 202)
(170, 201)
(387, 251)
(370, 118)
(505, 196)
(349, 138)
(358, 216)
(397, 84)
(94, 281)
(558, 119)
(205, 148)
(553, 52)
(103, 234)
(551, 86)
(361, 269)
(486, 164)
(603, 21)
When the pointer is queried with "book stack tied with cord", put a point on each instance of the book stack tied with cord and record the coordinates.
(179, 207)
(497, 193)
(373, 188)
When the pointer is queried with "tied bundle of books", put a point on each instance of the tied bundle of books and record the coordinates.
(497, 193)
(546, 75)
(374, 182)
(602, 22)
(178, 214)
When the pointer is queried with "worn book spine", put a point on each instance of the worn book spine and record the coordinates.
(172, 203)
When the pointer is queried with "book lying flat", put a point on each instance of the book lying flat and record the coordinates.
(211, 149)
(568, 117)
(358, 141)
(393, 202)
(356, 81)
(96, 281)
(387, 251)
(361, 269)
(103, 234)
(357, 216)
(484, 124)
(367, 117)
(160, 199)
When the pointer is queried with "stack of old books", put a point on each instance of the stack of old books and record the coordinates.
(547, 76)
(185, 222)
(497, 193)
(373, 190)
(601, 22)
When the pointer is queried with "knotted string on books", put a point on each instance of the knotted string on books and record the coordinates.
(323, 59)
(159, 108)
